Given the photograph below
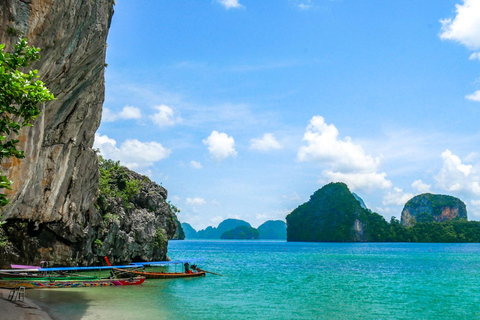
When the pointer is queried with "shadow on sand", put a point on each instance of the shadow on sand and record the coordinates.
(58, 303)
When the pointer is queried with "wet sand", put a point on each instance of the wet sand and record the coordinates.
(26, 310)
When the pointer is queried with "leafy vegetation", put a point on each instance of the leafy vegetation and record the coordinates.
(20, 95)
(332, 211)
(114, 183)
(429, 207)
(242, 233)
(328, 216)
(160, 239)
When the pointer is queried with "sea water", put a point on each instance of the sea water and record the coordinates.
(288, 280)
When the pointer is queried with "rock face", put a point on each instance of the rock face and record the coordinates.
(334, 214)
(179, 233)
(137, 221)
(190, 232)
(52, 214)
(56, 184)
(133, 222)
(429, 207)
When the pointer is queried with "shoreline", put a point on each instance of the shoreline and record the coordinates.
(27, 310)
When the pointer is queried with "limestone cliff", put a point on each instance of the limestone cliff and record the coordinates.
(52, 214)
(57, 182)
(137, 221)
(429, 207)
(334, 214)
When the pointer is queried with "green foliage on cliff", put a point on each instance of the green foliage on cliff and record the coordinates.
(328, 216)
(457, 230)
(160, 238)
(20, 94)
(114, 182)
(241, 233)
(333, 214)
(429, 207)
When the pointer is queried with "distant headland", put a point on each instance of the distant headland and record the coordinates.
(239, 229)
(334, 214)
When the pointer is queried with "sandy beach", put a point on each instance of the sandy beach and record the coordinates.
(19, 310)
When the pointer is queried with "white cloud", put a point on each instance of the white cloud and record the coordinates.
(195, 202)
(229, 4)
(475, 203)
(132, 153)
(220, 145)
(347, 161)
(278, 214)
(103, 141)
(323, 146)
(475, 56)
(303, 4)
(474, 209)
(420, 186)
(474, 96)
(108, 115)
(175, 199)
(196, 165)
(130, 113)
(215, 221)
(358, 181)
(293, 197)
(457, 177)
(472, 156)
(127, 113)
(165, 116)
(396, 197)
(465, 27)
(265, 143)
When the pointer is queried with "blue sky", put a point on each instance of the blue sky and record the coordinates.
(242, 108)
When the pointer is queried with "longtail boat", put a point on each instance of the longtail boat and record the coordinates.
(54, 283)
(158, 275)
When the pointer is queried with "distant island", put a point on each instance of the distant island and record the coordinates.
(239, 229)
(334, 214)
(241, 233)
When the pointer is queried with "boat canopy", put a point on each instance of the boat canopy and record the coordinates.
(21, 266)
(165, 263)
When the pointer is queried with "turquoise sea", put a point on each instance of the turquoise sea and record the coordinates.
(280, 280)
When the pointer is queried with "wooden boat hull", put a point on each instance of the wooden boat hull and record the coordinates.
(55, 284)
(159, 275)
